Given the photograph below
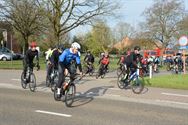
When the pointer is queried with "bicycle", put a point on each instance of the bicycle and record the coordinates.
(121, 69)
(135, 80)
(177, 69)
(29, 79)
(52, 80)
(101, 72)
(88, 68)
(69, 90)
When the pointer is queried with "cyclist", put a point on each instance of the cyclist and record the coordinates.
(29, 57)
(89, 59)
(53, 59)
(104, 61)
(67, 61)
(132, 60)
(156, 63)
(178, 63)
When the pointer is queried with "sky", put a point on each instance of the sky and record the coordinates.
(130, 12)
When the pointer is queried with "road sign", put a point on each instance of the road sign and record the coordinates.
(183, 41)
(183, 47)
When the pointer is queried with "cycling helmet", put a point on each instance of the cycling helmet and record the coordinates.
(137, 48)
(75, 45)
(33, 44)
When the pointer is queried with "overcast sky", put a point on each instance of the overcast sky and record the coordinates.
(131, 12)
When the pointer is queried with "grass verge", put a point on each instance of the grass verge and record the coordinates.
(168, 81)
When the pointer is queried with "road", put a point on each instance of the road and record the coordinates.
(98, 102)
(22, 107)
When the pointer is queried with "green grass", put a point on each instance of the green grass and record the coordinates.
(168, 81)
(18, 64)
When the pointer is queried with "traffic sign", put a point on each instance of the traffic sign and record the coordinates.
(183, 47)
(183, 41)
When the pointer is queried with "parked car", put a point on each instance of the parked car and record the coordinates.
(6, 54)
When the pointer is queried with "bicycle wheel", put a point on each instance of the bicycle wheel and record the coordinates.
(168, 66)
(32, 83)
(97, 75)
(23, 83)
(120, 81)
(54, 83)
(85, 69)
(56, 98)
(70, 95)
(92, 71)
(119, 71)
(47, 81)
(137, 85)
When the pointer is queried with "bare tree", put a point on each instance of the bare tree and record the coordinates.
(24, 16)
(162, 20)
(184, 26)
(65, 15)
(123, 30)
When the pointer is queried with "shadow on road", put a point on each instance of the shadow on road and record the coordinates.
(88, 96)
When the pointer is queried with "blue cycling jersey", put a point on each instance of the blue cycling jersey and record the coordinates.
(68, 56)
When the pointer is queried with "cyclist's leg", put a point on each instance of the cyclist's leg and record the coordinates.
(49, 70)
(61, 78)
(72, 70)
(24, 68)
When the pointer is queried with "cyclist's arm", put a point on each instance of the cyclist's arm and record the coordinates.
(85, 58)
(62, 56)
(78, 62)
(37, 58)
(27, 57)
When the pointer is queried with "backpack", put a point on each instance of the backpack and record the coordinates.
(105, 61)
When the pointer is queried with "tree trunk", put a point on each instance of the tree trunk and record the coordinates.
(26, 44)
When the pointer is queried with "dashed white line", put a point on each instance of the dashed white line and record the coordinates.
(172, 102)
(111, 95)
(172, 94)
(53, 113)
(16, 79)
(114, 88)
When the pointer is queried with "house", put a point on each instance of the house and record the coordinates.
(8, 40)
(125, 43)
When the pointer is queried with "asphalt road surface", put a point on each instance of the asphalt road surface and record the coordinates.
(20, 107)
(98, 102)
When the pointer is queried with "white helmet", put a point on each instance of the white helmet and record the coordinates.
(75, 45)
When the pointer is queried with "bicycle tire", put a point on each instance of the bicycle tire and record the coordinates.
(85, 69)
(97, 75)
(55, 94)
(52, 86)
(137, 85)
(168, 66)
(120, 81)
(70, 95)
(47, 82)
(119, 71)
(32, 82)
(92, 71)
(23, 83)
(54, 83)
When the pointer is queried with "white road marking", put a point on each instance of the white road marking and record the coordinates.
(52, 113)
(111, 95)
(16, 79)
(172, 102)
(114, 88)
(172, 94)
(6, 85)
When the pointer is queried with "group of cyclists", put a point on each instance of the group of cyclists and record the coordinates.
(66, 61)
(62, 60)
(174, 63)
